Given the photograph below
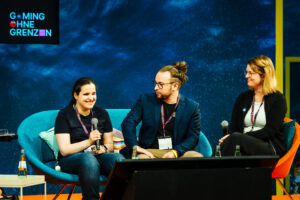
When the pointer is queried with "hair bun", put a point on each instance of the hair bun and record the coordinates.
(181, 66)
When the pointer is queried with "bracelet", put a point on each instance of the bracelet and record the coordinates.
(105, 148)
(175, 153)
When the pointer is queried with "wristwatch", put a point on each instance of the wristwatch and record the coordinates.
(105, 148)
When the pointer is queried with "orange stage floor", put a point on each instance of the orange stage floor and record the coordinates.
(77, 196)
(284, 197)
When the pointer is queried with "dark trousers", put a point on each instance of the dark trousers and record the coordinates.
(88, 166)
(249, 145)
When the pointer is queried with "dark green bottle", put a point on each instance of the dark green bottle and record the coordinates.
(134, 152)
(237, 152)
(218, 152)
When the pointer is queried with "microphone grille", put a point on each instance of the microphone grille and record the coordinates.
(224, 123)
(94, 121)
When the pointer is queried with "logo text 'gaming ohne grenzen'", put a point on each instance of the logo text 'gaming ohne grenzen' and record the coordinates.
(23, 24)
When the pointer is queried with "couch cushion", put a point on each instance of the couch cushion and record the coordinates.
(118, 140)
(50, 138)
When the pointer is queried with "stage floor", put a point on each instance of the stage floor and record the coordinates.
(77, 196)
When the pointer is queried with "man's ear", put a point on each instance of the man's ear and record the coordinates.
(176, 86)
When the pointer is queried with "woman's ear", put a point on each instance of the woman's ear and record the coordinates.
(75, 95)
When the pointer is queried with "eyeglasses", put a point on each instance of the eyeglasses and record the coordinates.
(160, 85)
(249, 73)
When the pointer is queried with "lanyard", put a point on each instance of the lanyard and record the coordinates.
(164, 124)
(83, 126)
(253, 118)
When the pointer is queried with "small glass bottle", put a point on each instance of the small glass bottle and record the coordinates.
(22, 168)
(237, 152)
(218, 151)
(134, 153)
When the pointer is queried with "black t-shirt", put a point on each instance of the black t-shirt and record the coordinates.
(67, 122)
(169, 129)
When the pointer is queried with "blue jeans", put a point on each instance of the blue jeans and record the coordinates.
(89, 167)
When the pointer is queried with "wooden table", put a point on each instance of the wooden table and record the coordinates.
(15, 181)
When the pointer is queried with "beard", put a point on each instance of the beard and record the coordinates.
(163, 97)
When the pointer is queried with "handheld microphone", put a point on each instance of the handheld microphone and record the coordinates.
(224, 125)
(95, 125)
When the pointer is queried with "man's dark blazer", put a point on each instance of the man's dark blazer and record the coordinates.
(148, 110)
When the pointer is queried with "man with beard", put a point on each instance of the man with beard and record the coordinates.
(170, 122)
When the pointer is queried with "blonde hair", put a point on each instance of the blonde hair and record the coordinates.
(263, 65)
(178, 72)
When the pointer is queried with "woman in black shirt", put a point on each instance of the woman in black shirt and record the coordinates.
(76, 137)
(257, 116)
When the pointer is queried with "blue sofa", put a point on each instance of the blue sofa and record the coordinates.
(38, 152)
